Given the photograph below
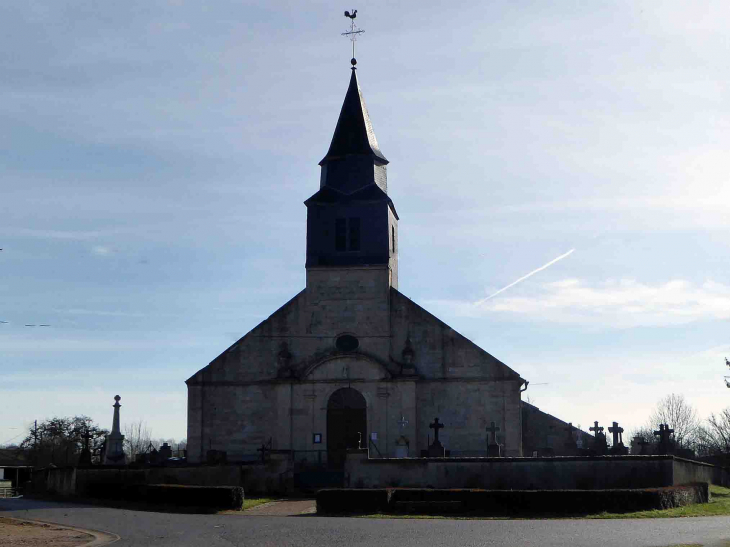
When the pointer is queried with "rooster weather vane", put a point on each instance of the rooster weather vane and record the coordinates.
(352, 34)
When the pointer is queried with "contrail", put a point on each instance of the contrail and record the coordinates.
(533, 272)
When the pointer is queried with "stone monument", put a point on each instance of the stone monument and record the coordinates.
(436, 450)
(114, 453)
(618, 448)
(494, 450)
(665, 443)
(600, 446)
(85, 457)
(570, 447)
(401, 443)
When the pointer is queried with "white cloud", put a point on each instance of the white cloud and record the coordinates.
(613, 303)
(100, 250)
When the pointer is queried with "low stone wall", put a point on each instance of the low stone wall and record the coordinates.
(689, 471)
(506, 502)
(560, 473)
(255, 478)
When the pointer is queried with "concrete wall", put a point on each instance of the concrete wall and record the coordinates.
(527, 473)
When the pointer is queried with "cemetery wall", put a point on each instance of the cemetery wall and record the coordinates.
(688, 471)
(271, 477)
(582, 473)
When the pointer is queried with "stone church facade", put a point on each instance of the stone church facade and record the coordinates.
(349, 360)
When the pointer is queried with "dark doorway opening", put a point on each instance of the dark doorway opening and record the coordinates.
(346, 424)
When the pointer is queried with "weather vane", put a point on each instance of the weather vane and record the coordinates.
(352, 33)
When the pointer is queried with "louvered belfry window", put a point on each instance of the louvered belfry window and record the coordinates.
(347, 234)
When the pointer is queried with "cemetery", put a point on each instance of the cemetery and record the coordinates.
(596, 478)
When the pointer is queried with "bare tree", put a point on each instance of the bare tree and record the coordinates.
(645, 433)
(675, 411)
(714, 435)
(137, 438)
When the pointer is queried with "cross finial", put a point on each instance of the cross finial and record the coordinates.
(352, 34)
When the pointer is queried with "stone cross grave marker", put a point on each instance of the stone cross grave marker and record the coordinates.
(595, 429)
(617, 434)
(599, 445)
(436, 450)
(436, 426)
(493, 449)
(263, 452)
(493, 430)
(85, 458)
(664, 441)
(401, 443)
(570, 444)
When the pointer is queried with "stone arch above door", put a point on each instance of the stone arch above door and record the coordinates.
(350, 367)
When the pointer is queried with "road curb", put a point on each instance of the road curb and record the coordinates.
(100, 538)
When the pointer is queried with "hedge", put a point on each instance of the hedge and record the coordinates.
(507, 502)
(212, 497)
(209, 497)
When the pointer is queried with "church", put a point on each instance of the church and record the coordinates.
(350, 362)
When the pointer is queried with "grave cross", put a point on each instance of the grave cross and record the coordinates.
(87, 437)
(596, 429)
(664, 433)
(493, 430)
(617, 434)
(436, 426)
(263, 450)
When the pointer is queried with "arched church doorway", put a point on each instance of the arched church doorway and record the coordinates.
(346, 424)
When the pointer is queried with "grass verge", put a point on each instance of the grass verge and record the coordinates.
(250, 503)
(718, 506)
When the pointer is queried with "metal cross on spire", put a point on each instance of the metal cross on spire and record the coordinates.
(352, 34)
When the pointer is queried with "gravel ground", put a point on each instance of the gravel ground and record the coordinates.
(15, 533)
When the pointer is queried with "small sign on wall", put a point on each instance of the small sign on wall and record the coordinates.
(373, 436)
(317, 438)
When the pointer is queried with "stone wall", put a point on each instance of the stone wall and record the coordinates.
(580, 473)
(272, 477)
(688, 471)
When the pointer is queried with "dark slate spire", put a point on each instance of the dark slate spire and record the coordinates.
(354, 160)
(354, 132)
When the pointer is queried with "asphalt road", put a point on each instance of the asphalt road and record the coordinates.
(143, 529)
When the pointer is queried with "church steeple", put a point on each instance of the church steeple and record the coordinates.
(354, 132)
(354, 159)
(351, 221)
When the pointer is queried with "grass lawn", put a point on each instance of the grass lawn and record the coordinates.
(718, 506)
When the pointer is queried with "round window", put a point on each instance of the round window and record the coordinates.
(347, 342)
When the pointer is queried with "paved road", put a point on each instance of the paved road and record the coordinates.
(144, 529)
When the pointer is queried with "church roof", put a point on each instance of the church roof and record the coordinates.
(354, 133)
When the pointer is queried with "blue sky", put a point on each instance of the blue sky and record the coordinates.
(155, 157)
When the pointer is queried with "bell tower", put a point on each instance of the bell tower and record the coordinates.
(351, 221)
